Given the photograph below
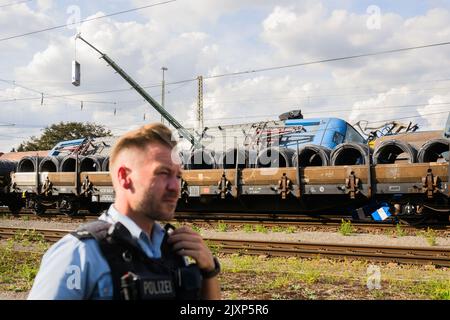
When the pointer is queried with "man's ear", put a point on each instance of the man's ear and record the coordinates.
(123, 177)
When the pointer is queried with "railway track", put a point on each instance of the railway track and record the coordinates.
(330, 224)
(50, 235)
(410, 255)
(267, 217)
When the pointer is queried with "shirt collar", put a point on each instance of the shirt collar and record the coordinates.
(113, 216)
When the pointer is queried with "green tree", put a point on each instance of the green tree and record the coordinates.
(63, 131)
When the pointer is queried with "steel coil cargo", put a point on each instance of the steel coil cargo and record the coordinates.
(50, 164)
(201, 159)
(232, 156)
(105, 164)
(394, 151)
(28, 164)
(218, 154)
(349, 153)
(436, 150)
(68, 164)
(274, 157)
(6, 167)
(311, 155)
(184, 157)
(91, 163)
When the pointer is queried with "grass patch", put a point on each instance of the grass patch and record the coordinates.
(320, 278)
(346, 228)
(18, 269)
(436, 290)
(28, 236)
(279, 282)
(261, 228)
(429, 235)
(221, 226)
(277, 229)
(399, 231)
(215, 248)
(310, 276)
(247, 228)
(290, 229)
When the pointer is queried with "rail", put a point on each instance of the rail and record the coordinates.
(411, 255)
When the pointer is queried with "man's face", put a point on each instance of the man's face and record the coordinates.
(156, 183)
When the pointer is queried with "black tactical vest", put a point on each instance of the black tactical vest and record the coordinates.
(134, 274)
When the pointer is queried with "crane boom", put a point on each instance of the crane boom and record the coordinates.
(182, 130)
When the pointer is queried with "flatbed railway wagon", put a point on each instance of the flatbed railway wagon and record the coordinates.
(410, 189)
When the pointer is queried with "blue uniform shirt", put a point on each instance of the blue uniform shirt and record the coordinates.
(74, 269)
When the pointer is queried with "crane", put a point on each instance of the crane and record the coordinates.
(182, 130)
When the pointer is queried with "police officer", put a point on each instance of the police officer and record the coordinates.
(127, 254)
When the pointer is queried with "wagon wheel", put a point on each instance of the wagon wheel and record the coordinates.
(15, 207)
(69, 207)
(94, 208)
(38, 208)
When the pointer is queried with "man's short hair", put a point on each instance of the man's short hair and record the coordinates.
(140, 138)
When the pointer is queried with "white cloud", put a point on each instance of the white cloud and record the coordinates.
(45, 5)
(208, 38)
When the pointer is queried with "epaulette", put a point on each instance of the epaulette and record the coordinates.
(92, 230)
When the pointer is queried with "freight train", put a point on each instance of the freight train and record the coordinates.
(298, 166)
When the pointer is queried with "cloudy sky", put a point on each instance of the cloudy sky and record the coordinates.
(224, 41)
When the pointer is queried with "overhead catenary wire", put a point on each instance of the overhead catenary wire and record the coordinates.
(81, 102)
(85, 20)
(328, 60)
(377, 121)
(279, 67)
(243, 72)
(326, 111)
(43, 95)
(262, 69)
(260, 116)
(14, 3)
(267, 98)
(385, 83)
(335, 109)
(275, 98)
